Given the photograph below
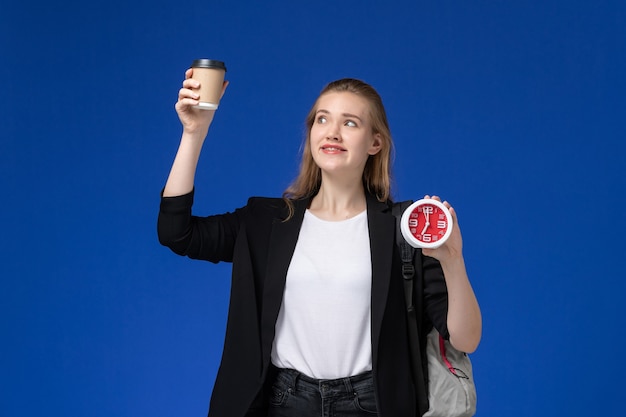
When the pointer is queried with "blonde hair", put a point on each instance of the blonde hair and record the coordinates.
(377, 171)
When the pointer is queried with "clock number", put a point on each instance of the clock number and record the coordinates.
(441, 224)
(412, 222)
(427, 237)
(427, 210)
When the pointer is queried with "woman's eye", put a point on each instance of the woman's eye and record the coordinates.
(350, 123)
(321, 119)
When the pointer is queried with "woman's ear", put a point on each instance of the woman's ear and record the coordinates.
(377, 144)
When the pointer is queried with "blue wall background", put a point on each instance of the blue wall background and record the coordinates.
(524, 101)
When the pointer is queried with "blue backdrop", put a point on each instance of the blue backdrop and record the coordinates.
(522, 102)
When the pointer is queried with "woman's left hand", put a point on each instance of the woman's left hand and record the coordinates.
(452, 249)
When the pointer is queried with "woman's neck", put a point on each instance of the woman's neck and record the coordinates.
(338, 201)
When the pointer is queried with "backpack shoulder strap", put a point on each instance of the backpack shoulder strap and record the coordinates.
(407, 253)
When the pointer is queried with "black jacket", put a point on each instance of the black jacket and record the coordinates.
(260, 244)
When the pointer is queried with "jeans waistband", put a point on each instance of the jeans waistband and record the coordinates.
(327, 387)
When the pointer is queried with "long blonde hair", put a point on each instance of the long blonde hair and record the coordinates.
(377, 171)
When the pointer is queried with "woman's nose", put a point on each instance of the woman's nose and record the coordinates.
(333, 133)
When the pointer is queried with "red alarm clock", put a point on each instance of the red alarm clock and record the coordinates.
(427, 223)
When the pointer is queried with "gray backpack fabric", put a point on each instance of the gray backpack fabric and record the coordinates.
(451, 389)
(450, 381)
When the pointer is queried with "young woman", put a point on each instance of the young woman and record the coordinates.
(317, 324)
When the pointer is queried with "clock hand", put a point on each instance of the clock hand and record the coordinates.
(427, 218)
(425, 227)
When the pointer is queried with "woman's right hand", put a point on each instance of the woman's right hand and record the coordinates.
(194, 120)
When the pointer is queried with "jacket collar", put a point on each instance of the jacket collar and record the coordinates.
(382, 232)
(283, 239)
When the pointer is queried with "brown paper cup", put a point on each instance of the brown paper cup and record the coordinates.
(210, 74)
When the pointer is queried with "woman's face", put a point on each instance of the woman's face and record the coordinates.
(341, 136)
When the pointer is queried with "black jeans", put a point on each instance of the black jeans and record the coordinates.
(297, 395)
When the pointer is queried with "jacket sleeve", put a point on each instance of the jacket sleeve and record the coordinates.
(209, 238)
(435, 295)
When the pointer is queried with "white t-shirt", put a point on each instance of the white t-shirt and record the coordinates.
(324, 328)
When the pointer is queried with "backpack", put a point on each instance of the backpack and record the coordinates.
(445, 373)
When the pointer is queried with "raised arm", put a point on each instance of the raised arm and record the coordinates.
(195, 128)
(464, 317)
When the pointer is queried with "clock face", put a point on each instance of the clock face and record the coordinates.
(426, 223)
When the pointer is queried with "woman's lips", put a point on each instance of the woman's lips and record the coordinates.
(332, 149)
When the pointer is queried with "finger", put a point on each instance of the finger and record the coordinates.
(452, 213)
(186, 103)
(191, 83)
(436, 198)
(450, 209)
(189, 73)
(426, 197)
(187, 93)
(455, 218)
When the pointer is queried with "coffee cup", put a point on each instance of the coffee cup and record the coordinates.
(210, 73)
